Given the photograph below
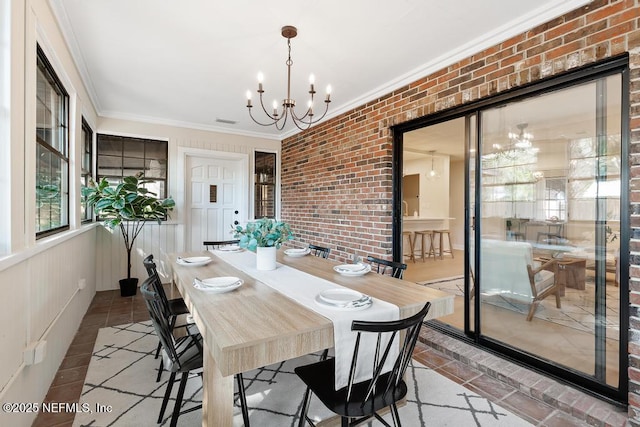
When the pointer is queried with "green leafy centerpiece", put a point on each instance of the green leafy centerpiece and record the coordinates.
(127, 206)
(263, 236)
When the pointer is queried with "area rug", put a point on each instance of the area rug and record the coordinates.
(122, 374)
(578, 308)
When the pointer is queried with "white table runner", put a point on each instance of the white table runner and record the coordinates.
(303, 288)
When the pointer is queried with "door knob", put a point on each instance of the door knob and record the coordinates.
(235, 223)
(236, 212)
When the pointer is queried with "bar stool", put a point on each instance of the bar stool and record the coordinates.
(423, 234)
(411, 255)
(439, 234)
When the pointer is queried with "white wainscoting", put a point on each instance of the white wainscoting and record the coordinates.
(111, 261)
(42, 301)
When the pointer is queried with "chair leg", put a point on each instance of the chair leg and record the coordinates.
(305, 407)
(167, 394)
(243, 400)
(395, 416)
(178, 404)
(558, 304)
(532, 310)
(160, 369)
(172, 323)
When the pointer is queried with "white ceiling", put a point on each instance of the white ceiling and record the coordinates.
(191, 62)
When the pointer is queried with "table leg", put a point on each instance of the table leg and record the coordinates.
(217, 394)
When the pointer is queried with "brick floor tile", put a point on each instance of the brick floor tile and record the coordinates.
(461, 371)
(491, 386)
(562, 419)
(527, 407)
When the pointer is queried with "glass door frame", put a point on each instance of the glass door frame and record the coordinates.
(473, 326)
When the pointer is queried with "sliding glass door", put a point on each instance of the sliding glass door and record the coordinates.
(549, 194)
(536, 185)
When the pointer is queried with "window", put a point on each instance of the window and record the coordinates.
(265, 185)
(86, 172)
(120, 156)
(594, 174)
(52, 151)
(510, 183)
(555, 199)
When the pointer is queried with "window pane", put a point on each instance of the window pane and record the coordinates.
(52, 166)
(109, 146)
(132, 166)
(550, 220)
(156, 150)
(134, 148)
(51, 191)
(86, 213)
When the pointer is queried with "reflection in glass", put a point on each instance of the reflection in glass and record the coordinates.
(550, 218)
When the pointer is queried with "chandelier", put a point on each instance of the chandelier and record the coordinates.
(522, 139)
(519, 144)
(279, 118)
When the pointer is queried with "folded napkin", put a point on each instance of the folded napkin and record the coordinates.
(365, 301)
(215, 283)
(352, 268)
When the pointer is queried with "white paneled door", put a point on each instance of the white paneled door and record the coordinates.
(214, 199)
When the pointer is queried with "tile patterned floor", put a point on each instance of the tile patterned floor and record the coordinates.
(529, 396)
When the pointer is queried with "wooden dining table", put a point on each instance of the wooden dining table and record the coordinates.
(255, 325)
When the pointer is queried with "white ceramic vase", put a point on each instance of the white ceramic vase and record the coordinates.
(266, 258)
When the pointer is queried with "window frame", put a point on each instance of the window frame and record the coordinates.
(86, 174)
(44, 65)
(117, 178)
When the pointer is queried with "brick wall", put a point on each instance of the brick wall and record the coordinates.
(336, 177)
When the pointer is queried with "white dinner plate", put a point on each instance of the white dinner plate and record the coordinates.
(218, 285)
(219, 282)
(230, 248)
(340, 296)
(352, 269)
(297, 252)
(358, 307)
(194, 261)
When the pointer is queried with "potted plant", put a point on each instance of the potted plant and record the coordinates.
(263, 236)
(128, 206)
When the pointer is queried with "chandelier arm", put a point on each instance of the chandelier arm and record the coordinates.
(300, 124)
(282, 120)
(312, 121)
(257, 122)
(272, 117)
(294, 116)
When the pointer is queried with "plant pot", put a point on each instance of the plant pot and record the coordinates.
(266, 258)
(128, 287)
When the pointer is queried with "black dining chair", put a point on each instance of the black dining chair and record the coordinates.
(185, 354)
(320, 251)
(396, 269)
(172, 308)
(215, 244)
(360, 401)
